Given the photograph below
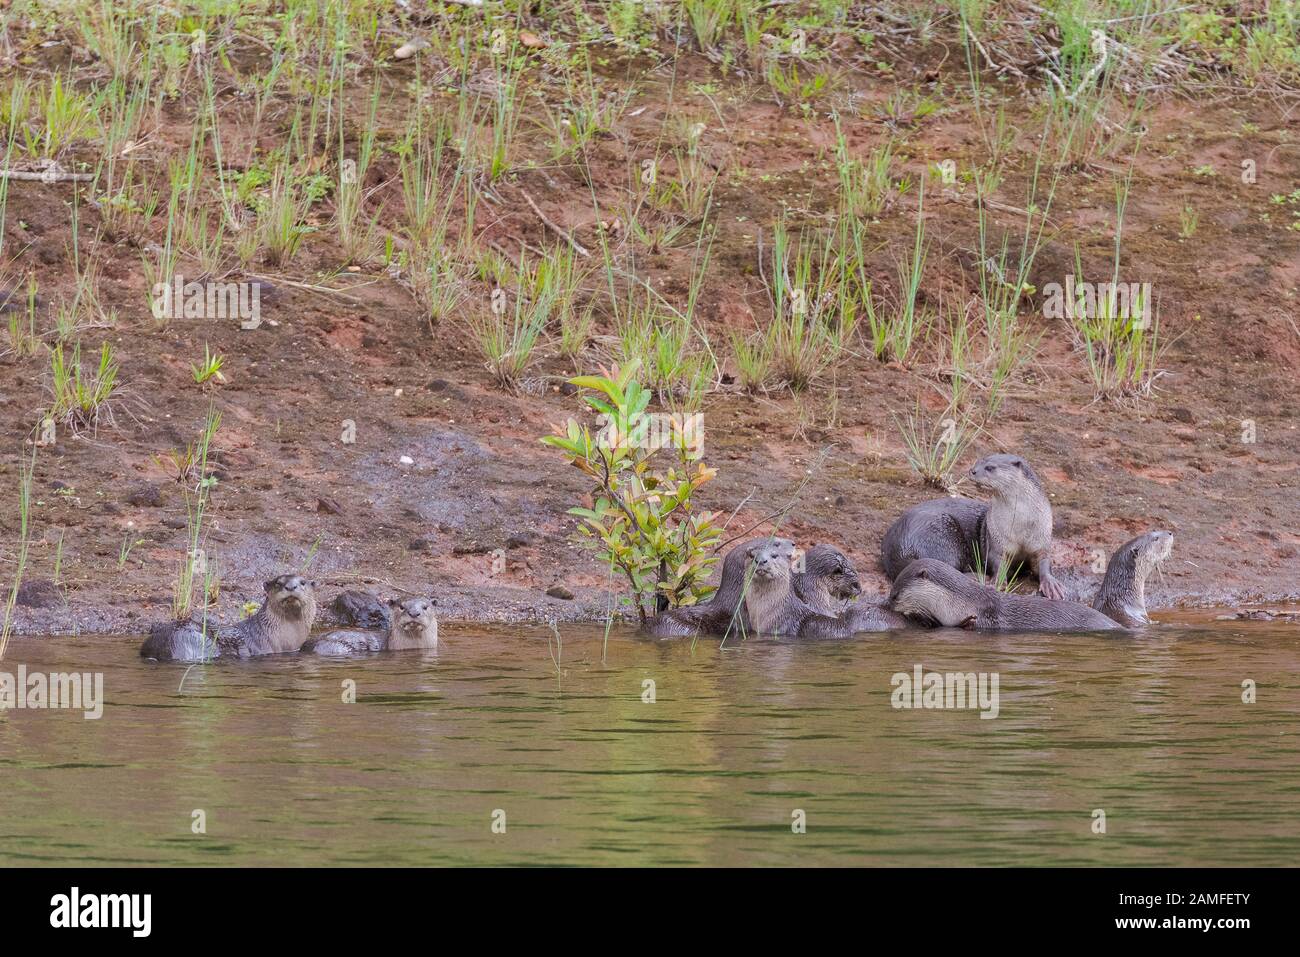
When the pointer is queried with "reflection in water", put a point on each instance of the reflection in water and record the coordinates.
(1152, 730)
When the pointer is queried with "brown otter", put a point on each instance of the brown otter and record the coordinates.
(718, 615)
(933, 592)
(411, 624)
(1015, 527)
(279, 626)
(828, 580)
(1123, 590)
(771, 605)
(857, 618)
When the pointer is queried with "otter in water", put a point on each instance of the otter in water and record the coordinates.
(718, 615)
(411, 624)
(1123, 590)
(857, 618)
(771, 603)
(933, 592)
(278, 627)
(1015, 527)
(828, 581)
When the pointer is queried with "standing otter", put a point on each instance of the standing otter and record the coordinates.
(1015, 527)
(279, 626)
(828, 580)
(718, 615)
(411, 624)
(934, 592)
(1123, 590)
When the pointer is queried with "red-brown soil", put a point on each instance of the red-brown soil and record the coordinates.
(481, 481)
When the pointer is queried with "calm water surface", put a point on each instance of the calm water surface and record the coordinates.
(1152, 730)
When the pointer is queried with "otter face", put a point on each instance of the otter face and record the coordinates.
(1003, 473)
(414, 623)
(832, 567)
(1150, 550)
(923, 591)
(290, 596)
(772, 562)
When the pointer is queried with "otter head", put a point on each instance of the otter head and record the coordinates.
(771, 562)
(1005, 475)
(291, 597)
(1138, 557)
(833, 571)
(1152, 549)
(413, 623)
(933, 593)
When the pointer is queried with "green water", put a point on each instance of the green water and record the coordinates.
(1152, 730)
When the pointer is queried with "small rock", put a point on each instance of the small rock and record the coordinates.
(173, 523)
(437, 385)
(410, 48)
(471, 548)
(406, 460)
(420, 545)
(328, 505)
(559, 591)
(567, 388)
(1182, 415)
(519, 540)
(360, 609)
(40, 593)
(60, 486)
(145, 495)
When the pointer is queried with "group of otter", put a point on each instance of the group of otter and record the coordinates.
(768, 588)
(283, 625)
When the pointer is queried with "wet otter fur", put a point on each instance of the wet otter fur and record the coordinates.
(772, 606)
(718, 615)
(856, 619)
(1014, 527)
(1123, 591)
(933, 592)
(411, 624)
(828, 581)
(280, 626)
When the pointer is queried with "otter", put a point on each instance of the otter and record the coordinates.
(933, 592)
(1123, 591)
(278, 627)
(857, 618)
(772, 606)
(411, 624)
(827, 585)
(718, 615)
(1014, 527)
(828, 581)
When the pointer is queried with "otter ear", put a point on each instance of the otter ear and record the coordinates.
(270, 584)
(920, 573)
(394, 602)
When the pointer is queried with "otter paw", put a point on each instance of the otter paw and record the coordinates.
(1051, 588)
